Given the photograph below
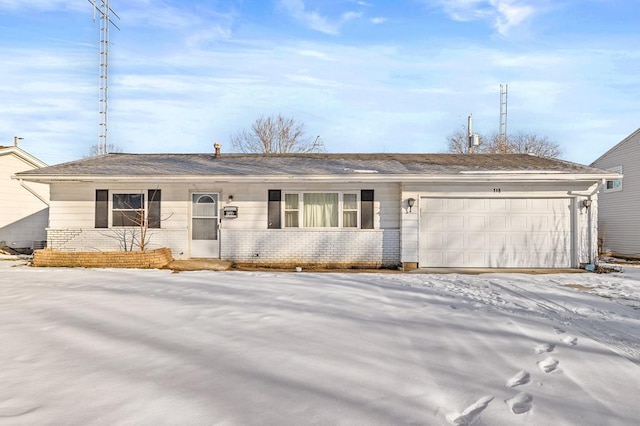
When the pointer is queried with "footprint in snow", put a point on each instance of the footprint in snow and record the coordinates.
(521, 403)
(544, 347)
(558, 330)
(570, 340)
(548, 365)
(16, 407)
(521, 378)
(470, 413)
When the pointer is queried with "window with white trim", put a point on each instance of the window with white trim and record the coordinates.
(321, 210)
(349, 210)
(613, 185)
(127, 209)
(291, 210)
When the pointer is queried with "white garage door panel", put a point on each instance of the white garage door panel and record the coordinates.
(497, 232)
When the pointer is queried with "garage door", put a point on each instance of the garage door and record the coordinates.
(496, 233)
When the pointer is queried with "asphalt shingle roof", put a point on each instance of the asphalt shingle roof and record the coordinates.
(306, 165)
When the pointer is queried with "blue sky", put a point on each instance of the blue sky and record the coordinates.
(367, 76)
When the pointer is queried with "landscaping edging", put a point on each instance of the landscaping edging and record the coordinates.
(151, 259)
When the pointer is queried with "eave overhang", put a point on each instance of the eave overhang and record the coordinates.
(462, 177)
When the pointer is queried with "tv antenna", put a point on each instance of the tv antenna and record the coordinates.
(502, 134)
(102, 8)
(318, 145)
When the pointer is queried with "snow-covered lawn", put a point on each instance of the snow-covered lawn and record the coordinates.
(148, 347)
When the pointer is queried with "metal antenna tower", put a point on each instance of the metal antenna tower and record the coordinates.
(102, 8)
(318, 145)
(502, 136)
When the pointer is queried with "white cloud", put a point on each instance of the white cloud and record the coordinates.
(510, 15)
(314, 20)
(43, 5)
(503, 14)
(348, 16)
(215, 32)
(378, 20)
(298, 10)
(312, 81)
(315, 54)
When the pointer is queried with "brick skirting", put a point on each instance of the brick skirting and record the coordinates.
(108, 259)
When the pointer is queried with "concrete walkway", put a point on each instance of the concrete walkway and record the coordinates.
(199, 265)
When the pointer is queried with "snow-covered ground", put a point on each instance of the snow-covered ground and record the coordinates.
(148, 347)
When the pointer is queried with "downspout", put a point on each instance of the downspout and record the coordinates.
(590, 220)
(34, 193)
(590, 225)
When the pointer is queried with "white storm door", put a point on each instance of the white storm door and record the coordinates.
(204, 225)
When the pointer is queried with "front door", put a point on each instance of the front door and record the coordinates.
(204, 225)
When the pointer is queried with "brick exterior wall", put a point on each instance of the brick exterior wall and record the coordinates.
(111, 259)
(351, 248)
(83, 239)
(370, 248)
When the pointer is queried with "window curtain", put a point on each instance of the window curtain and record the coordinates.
(321, 210)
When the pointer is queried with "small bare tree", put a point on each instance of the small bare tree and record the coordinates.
(458, 142)
(531, 143)
(274, 135)
(137, 229)
(519, 143)
(97, 149)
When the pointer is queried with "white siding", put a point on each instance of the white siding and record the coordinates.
(619, 217)
(73, 204)
(23, 216)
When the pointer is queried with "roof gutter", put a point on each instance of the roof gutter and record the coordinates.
(465, 177)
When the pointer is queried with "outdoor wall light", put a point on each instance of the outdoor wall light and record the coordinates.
(411, 202)
(230, 199)
(586, 203)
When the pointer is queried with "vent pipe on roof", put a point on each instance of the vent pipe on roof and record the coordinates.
(217, 147)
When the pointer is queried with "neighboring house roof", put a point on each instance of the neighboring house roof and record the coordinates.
(22, 154)
(617, 146)
(365, 166)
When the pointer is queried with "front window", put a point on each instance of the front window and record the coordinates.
(128, 209)
(320, 210)
(350, 211)
(291, 210)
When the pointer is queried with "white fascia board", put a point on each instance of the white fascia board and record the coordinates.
(346, 178)
(24, 156)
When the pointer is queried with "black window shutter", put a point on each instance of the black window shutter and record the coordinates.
(275, 197)
(366, 209)
(153, 216)
(102, 208)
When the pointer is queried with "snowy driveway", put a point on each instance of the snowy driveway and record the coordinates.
(136, 347)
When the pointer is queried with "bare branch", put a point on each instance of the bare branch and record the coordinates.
(519, 143)
(274, 135)
(96, 150)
